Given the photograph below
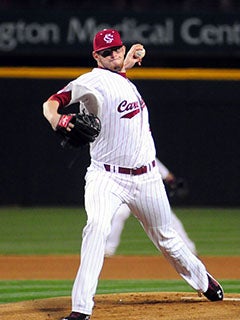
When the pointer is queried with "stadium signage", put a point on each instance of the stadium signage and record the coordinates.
(72, 32)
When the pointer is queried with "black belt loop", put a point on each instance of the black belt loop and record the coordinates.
(107, 167)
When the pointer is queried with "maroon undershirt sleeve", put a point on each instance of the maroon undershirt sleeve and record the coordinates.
(63, 98)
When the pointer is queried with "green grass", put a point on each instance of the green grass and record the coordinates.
(41, 230)
(14, 291)
(58, 231)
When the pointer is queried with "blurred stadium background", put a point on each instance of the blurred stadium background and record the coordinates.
(190, 81)
(193, 48)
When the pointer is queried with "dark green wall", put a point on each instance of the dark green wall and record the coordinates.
(195, 125)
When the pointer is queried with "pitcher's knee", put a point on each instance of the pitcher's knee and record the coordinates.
(167, 240)
(100, 231)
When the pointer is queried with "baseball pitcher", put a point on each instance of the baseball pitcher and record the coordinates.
(122, 170)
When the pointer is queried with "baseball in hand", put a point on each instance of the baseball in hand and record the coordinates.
(140, 53)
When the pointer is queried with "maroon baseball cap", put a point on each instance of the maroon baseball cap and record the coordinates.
(105, 39)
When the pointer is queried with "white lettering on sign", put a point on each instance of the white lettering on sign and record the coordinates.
(78, 32)
(192, 31)
(195, 32)
(14, 33)
(130, 29)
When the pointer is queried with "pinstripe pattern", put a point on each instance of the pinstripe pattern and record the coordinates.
(105, 192)
(95, 234)
(125, 140)
(122, 141)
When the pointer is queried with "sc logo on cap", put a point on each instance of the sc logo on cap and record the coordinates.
(108, 38)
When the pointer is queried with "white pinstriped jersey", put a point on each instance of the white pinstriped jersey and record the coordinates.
(125, 139)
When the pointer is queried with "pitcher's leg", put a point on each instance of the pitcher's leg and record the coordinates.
(117, 225)
(180, 257)
(178, 226)
(152, 208)
(100, 208)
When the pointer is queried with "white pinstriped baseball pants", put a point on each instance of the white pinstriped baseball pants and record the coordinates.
(145, 194)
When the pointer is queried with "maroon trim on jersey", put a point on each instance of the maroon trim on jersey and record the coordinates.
(131, 114)
(63, 98)
(123, 74)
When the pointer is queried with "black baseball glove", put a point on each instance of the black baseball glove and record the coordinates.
(86, 129)
(177, 188)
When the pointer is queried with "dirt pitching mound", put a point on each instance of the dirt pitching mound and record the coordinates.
(131, 306)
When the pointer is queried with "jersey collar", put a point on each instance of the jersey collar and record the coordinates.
(123, 74)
